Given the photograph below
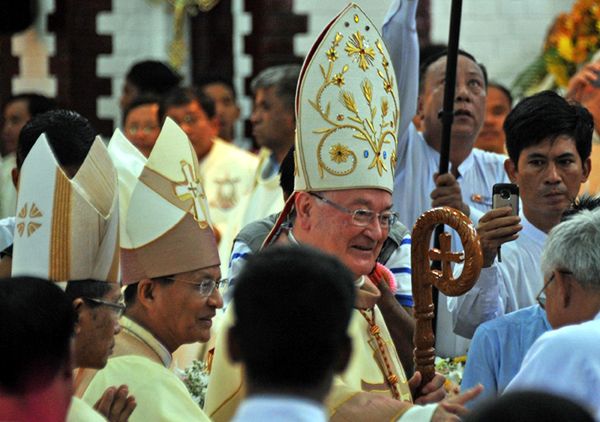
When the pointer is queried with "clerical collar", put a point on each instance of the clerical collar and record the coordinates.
(292, 238)
(147, 338)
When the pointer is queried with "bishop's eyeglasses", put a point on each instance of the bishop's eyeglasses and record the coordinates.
(204, 286)
(362, 217)
(541, 296)
(117, 308)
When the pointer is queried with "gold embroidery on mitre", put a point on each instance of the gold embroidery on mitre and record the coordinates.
(24, 221)
(191, 188)
(364, 128)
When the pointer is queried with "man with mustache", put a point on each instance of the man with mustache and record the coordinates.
(549, 141)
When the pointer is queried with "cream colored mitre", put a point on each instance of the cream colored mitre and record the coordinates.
(166, 228)
(346, 109)
(67, 229)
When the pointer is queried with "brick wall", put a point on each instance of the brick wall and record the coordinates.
(504, 34)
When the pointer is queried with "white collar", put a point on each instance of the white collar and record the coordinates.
(147, 338)
(280, 408)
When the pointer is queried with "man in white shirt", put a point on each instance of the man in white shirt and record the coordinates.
(565, 361)
(472, 172)
(549, 143)
(226, 171)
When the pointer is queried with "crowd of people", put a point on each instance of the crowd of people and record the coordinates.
(287, 270)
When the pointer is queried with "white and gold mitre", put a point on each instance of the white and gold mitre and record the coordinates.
(165, 227)
(346, 109)
(67, 229)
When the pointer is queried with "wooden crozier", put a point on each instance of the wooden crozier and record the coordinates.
(423, 277)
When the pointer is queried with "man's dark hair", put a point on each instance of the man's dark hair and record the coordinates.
(584, 202)
(505, 90)
(140, 100)
(205, 80)
(182, 96)
(36, 103)
(544, 116)
(443, 53)
(286, 173)
(37, 325)
(153, 77)
(90, 289)
(69, 134)
(529, 406)
(283, 78)
(292, 306)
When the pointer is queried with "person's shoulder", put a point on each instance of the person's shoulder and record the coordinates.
(573, 337)
(235, 153)
(491, 158)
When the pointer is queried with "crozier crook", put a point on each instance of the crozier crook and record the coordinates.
(423, 277)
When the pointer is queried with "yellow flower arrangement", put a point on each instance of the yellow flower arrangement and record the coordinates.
(571, 42)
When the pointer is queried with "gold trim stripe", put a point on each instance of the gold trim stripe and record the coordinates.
(60, 239)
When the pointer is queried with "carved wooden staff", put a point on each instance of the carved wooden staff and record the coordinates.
(423, 277)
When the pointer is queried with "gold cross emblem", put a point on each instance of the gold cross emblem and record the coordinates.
(25, 218)
(191, 189)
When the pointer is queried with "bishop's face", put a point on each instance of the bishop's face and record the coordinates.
(183, 314)
(334, 231)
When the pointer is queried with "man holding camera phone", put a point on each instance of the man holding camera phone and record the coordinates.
(548, 142)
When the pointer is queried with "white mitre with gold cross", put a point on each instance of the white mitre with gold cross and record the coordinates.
(67, 229)
(346, 109)
(166, 228)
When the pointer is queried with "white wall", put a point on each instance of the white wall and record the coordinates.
(505, 35)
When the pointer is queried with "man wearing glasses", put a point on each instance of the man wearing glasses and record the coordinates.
(499, 346)
(566, 361)
(170, 267)
(347, 112)
(67, 232)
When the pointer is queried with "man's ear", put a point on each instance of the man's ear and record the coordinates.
(233, 348)
(303, 204)
(587, 169)
(15, 177)
(420, 108)
(511, 169)
(344, 355)
(564, 289)
(78, 306)
(146, 291)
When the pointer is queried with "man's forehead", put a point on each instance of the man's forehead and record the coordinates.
(363, 197)
(464, 64)
(556, 145)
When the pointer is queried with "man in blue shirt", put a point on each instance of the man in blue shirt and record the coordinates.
(498, 348)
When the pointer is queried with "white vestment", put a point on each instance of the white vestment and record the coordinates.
(227, 174)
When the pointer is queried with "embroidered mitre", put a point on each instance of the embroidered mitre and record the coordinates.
(67, 229)
(166, 228)
(346, 109)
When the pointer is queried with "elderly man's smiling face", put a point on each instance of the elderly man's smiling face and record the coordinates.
(332, 230)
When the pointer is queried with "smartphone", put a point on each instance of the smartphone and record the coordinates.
(506, 195)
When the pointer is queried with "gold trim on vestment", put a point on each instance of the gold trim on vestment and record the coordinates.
(60, 240)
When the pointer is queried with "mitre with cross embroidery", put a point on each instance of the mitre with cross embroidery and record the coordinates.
(166, 227)
(346, 109)
(67, 229)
